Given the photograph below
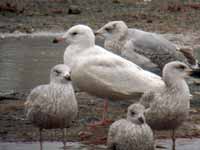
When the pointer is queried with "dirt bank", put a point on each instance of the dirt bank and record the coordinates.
(36, 15)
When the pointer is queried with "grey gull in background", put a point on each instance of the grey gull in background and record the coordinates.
(168, 107)
(132, 43)
(102, 73)
(53, 105)
(131, 133)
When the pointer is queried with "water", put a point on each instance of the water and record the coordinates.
(181, 144)
(26, 61)
(48, 146)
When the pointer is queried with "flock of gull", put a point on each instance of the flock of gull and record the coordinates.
(159, 103)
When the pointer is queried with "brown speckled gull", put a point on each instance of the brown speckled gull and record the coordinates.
(168, 107)
(53, 105)
(131, 133)
(133, 43)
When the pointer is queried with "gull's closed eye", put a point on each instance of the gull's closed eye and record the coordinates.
(74, 33)
(57, 72)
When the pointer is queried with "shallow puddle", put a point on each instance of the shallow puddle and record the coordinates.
(48, 146)
(26, 62)
(26, 59)
(181, 144)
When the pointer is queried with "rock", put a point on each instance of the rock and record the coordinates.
(116, 1)
(3, 132)
(29, 30)
(193, 111)
(149, 21)
(8, 7)
(196, 93)
(91, 102)
(74, 9)
(196, 81)
(21, 28)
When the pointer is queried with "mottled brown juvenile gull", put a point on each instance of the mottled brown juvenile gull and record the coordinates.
(130, 43)
(168, 107)
(131, 133)
(102, 73)
(53, 105)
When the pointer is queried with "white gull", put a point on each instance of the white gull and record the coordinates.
(102, 73)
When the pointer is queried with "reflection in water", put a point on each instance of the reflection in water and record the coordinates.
(182, 144)
(26, 62)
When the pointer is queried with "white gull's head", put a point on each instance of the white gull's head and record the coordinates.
(175, 71)
(60, 74)
(80, 35)
(113, 30)
(135, 114)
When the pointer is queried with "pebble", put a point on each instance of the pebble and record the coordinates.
(74, 9)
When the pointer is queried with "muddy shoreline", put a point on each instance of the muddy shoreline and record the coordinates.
(53, 15)
(15, 127)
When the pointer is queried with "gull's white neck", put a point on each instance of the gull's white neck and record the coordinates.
(58, 82)
(177, 84)
(73, 51)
